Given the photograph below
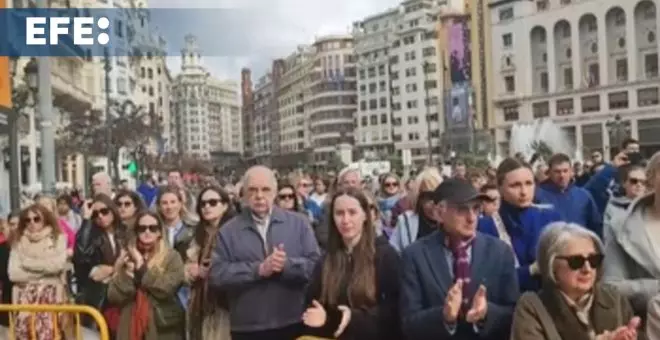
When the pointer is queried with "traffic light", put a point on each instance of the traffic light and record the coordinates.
(132, 168)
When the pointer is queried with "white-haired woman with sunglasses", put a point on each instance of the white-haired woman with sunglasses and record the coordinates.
(572, 303)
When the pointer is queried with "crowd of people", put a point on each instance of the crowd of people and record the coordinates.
(552, 250)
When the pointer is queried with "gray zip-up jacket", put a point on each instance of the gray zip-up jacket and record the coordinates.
(257, 303)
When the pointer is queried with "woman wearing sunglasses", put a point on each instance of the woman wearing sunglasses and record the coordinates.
(148, 275)
(572, 303)
(208, 311)
(98, 245)
(632, 260)
(129, 203)
(37, 264)
(287, 198)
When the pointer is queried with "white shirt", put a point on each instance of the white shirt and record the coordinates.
(262, 225)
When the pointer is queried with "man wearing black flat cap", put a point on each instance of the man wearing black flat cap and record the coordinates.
(456, 281)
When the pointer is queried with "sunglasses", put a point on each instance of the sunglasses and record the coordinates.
(213, 202)
(35, 220)
(125, 204)
(391, 184)
(141, 228)
(576, 262)
(287, 196)
(100, 212)
(635, 181)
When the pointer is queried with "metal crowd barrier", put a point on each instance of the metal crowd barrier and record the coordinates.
(76, 310)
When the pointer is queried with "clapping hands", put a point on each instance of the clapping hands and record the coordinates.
(627, 332)
(274, 263)
(453, 303)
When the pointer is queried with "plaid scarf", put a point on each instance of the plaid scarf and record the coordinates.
(462, 267)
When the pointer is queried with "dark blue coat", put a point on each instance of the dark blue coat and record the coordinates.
(574, 205)
(427, 276)
(524, 227)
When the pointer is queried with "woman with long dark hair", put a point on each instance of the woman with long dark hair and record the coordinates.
(129, 204)
(354, 291)
(98, 246)
(207, 310)
(148, 275)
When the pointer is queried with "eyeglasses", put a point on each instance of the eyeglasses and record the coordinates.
(576, 262)
(125, 204)
(286, 196)
(635, 181)
(490, 199)
(100, 212)
(35, 220)
(213, 202)
(391, 184)
(141, 228)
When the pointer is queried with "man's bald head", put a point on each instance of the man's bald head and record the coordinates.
(260, 171)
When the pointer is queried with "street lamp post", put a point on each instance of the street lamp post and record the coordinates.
(14, 146)
(108, 117)
(619, 130)
(425, 67)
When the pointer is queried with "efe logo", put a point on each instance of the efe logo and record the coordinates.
(35, 30)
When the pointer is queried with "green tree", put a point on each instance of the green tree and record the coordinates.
(85, 133)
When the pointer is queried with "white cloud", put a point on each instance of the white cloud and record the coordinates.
(277, 27)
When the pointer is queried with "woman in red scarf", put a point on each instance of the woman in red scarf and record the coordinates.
(148, 275)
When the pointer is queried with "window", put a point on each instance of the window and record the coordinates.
(647, 97)
(622, 70)
(150, 73)
(651, 65)
(568, 78)
(590, 103)
(382, 86)
(431, 84)
(411, 104)
(540, 110)
(541, 5)
(383, 102)
(544, 82)
(510, 113)
(506, 14)
(381, 70)
(372, 88)
(383, 118)
(618, 100)
(507, 40)
(565, 107)
(509, 84)
(373, 120)
(593, 78)
(365, 121)
(413, 120)
(428, 51)
(363, 105)
(430, 68)
(373, 104)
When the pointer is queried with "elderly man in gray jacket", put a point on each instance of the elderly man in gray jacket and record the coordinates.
(263, 259)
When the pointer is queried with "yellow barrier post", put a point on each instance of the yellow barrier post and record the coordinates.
(76, 309)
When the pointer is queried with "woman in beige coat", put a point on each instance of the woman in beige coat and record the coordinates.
(572, 304)
(37, 266)
(147, 276)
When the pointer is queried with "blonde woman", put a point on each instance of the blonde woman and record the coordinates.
(147, 276)
(422, 220)
(37, 267)
(51, 204)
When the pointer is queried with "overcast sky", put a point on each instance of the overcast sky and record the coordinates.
(273, 27)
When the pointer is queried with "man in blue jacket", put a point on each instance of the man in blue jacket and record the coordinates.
(574, 204)
(456, 282)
